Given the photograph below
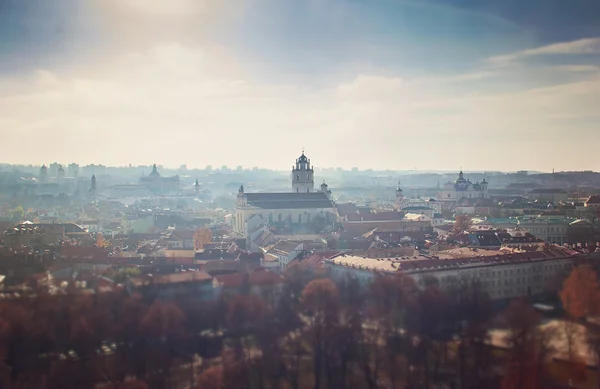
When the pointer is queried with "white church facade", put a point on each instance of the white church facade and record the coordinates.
(463, 188)
(302, 205)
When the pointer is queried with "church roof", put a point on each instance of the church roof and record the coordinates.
(303, 158)
(289, 200)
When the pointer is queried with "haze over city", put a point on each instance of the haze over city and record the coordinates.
(299, 194)
(496, 85)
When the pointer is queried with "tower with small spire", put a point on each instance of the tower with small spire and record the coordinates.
(60, 175)
(399, 197)
(93, 185)
(241, 197)
(196, 186)
(325, 189)
(43, 174)
(302, 176)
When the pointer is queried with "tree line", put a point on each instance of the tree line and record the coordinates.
(315, 334)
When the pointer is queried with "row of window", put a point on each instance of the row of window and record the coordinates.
(532, 270)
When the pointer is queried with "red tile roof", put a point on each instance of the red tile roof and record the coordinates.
(594, 199)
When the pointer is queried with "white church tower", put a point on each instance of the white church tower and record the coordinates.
(302, 176)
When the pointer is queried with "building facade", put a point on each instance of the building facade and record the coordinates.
(303, 180)
(502, 277)
(300, 206)
(159, 184)
(463, 188)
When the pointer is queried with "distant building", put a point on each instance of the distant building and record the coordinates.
(73, 170)
(28, 233)
(463, 188)
(158, 184)
(43, 175)
(549, 229)
(60, 175)
(93, 185)
(303, 180)
(300, 206)
(548, 195)
(429, 207)
(593, 202)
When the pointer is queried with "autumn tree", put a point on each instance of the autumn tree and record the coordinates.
(581, 292)
(320, 303)
(462, 223)
(580, 297)
(211, 378)
(468, 318)
(529, 347)
(388, 301)
(245, 318)
(428, 321)
(163, 328)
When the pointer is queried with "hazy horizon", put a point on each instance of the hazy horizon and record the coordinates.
(393, 85)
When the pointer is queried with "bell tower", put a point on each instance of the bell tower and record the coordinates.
(399, 197)
(303, 176)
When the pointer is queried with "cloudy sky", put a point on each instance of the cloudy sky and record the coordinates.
(398, 84)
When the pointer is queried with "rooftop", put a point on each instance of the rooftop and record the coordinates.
(593, 199)
(289, 200)
(548, 191)
(450, 259)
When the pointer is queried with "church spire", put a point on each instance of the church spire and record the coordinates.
(302, 175)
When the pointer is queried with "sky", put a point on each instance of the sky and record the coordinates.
(387, 84)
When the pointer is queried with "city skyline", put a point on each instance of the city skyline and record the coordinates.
(499, 86)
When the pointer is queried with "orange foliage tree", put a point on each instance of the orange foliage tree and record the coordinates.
(581, 292)
(462, 223)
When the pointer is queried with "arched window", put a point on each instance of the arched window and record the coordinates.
(298, 177)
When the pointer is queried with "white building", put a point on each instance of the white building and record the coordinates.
(549, 229)
(502, 277)
(303, 180)
(428, 207)
(463, 188)
(285, 252)
(300, 206)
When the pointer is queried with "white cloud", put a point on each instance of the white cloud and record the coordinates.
(198, 105)
(581, 46)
